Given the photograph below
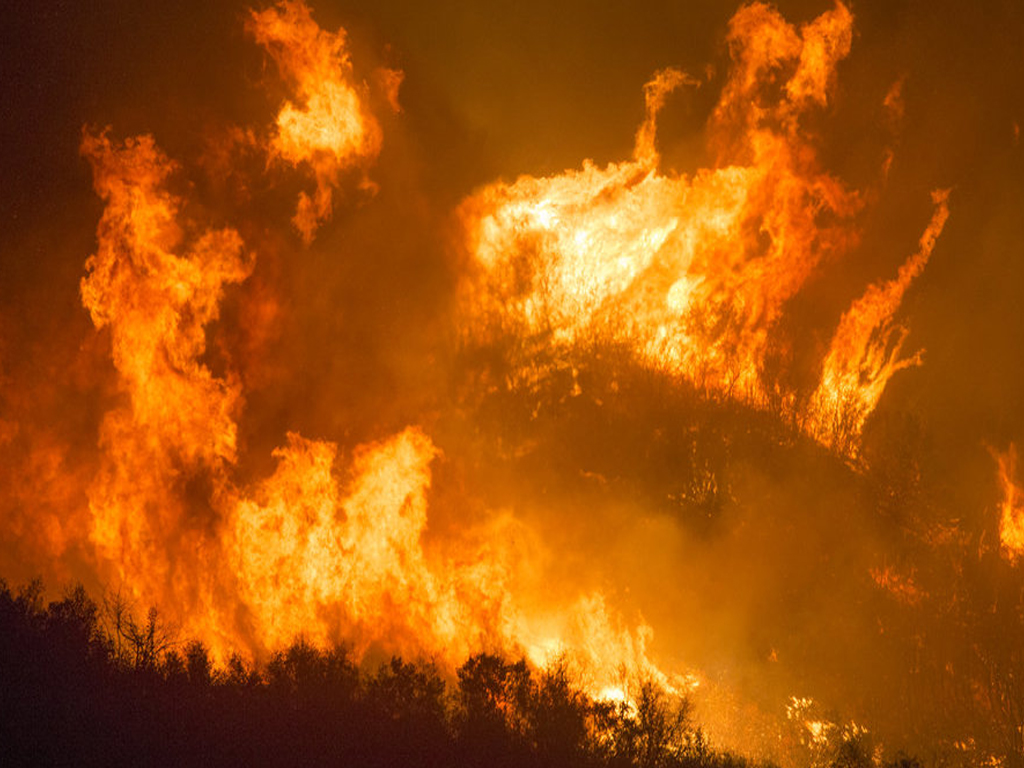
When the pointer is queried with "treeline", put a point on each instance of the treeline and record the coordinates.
(82, 684)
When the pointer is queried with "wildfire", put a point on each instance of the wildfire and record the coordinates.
(692, 272)
(300, 554)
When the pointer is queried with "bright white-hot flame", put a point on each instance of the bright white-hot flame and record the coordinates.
(692, 272)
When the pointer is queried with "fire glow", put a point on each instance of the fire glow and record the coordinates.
(381, 543)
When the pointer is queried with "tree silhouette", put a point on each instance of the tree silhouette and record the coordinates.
(75, 689)
(493, 716)
(655, 734)
(563, 720)
(139, 645)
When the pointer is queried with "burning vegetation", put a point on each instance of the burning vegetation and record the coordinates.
(615, 463)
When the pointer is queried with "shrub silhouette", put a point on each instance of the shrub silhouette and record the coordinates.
(86, 686)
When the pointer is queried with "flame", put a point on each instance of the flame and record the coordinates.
(1011, 517)
(865, 351)
(301, 553)
(692, 272)
(155, 295)
(157, 303)
(332, 128)
(327, 562)
(607, 654)
(311, 559)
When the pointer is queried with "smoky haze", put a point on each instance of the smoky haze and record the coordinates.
(759, 558)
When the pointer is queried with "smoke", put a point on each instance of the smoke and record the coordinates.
(548, 497)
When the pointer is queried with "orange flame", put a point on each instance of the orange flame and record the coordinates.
(865, 351)
(178, 422)
(313, 560)
(301, 554)
(692, 272)
(1011, 518)
(333, 128)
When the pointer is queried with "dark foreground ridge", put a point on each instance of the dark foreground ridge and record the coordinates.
(81, 685)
